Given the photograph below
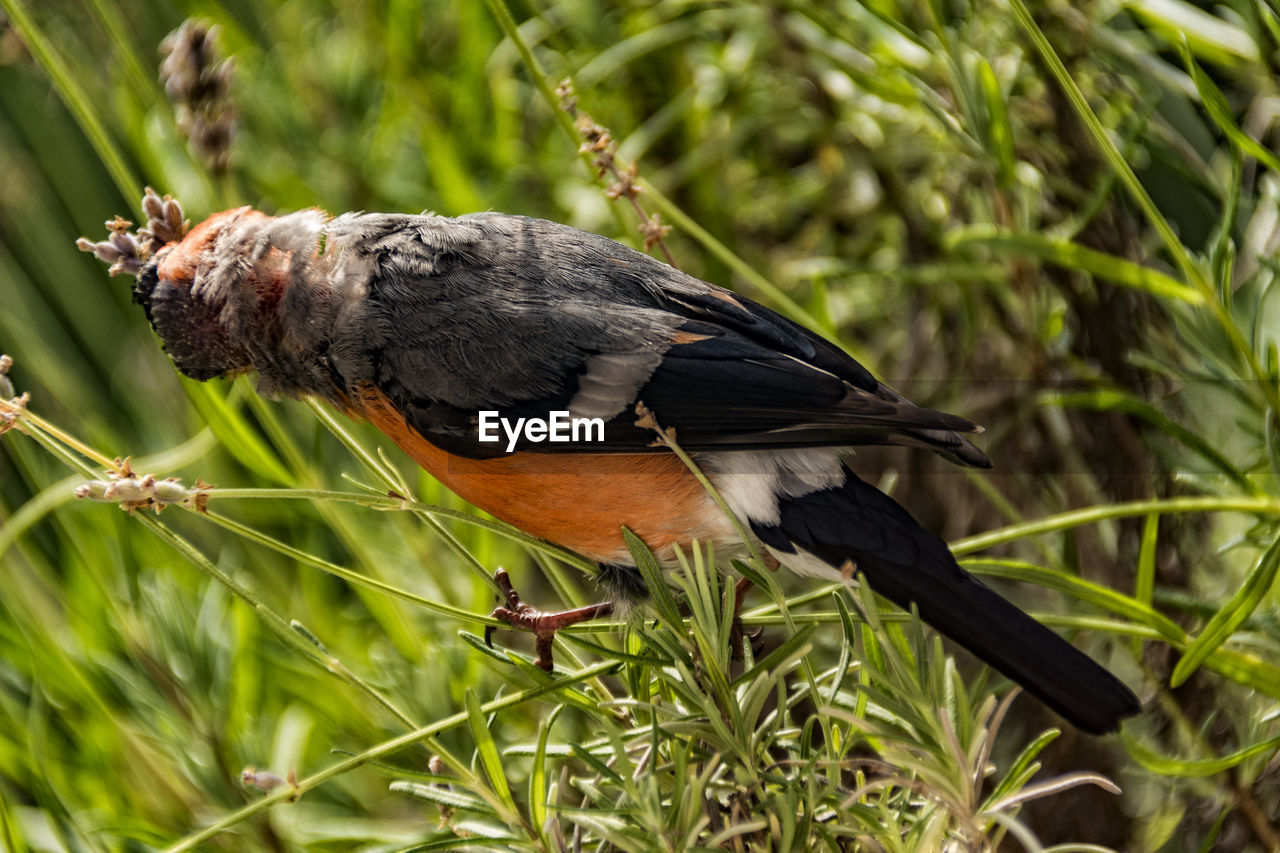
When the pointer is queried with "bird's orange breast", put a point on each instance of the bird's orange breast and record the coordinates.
(579, 500)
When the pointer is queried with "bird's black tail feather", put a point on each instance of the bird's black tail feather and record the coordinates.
(908, 565)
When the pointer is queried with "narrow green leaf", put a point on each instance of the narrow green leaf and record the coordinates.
(538, 775)
(1179, 252)
(235, 433)
(77, 101)
(1214, 37)
(487, 749)
(1165, 766)
(1261, 506)
(659, 592)
(606, 772)
(999, 131)
(1145, 582)
(1215, 104)
(443, 796)
(1235, 611)
(751, 573)
(1271, 440)
(872, 649)
(1222, 254)
(470, 831)
(850, 628)
(648, 658)
(1065, 253)
(478, 643)
(1111, 400)
(783, 652)
(1102, 596)
(1014, 778)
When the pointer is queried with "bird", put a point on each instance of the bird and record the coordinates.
(434, 329)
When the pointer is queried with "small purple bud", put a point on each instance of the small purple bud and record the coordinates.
(123, 243)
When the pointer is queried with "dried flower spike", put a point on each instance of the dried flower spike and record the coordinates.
(133, 492)
(6, 387)
(198, 83)
(265, 780)
(597, 140)
(11, 405)
(11, 410)
(127, 253)
(165, 222)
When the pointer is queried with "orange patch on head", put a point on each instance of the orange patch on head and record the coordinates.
(580, 501)
(182, 259)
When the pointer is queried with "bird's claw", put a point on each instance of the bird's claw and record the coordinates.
(541, 624)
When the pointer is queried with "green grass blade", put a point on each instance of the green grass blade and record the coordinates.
(999, 131)
(74, 97)
(1069, 255)
(487, 749)
(1215, 104)
(1233, 613)
(1165, 766)
(659, 592)
(1112, 400)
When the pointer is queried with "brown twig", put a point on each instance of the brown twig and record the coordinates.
(599, 142)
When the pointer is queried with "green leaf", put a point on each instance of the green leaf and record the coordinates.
(794, 646)
(1109, 400)
(1094, 593)
(1023, 767)
(1215, 104)
(1240, 666)
(444, 796)
(654, 579)
(73, 95)
(600, 767)
(999, 131)
(1235, 611)
(1065, 253)
(850, 628)
(478, 643)
(1124, 172)
(648, 658)
(1213, 37)
(538, 789)
(1271, 440)
(487, 749)
(1165, 766)
(1144, 584)
(233, 430)
(1222, 254)
(466, 840)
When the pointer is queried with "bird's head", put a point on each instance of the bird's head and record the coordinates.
(186, 309)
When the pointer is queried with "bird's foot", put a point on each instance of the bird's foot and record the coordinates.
(541, 624)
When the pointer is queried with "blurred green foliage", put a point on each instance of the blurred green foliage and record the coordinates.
(1090, 277)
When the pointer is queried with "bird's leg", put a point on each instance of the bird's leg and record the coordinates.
(738, 638)
(542, 625)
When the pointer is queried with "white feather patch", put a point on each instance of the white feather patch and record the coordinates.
(611, 381)
(752, 480)
(808, 565)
